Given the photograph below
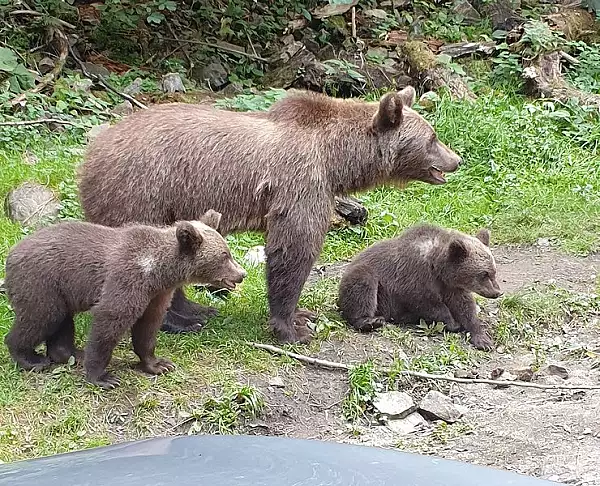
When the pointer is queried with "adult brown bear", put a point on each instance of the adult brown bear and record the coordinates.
(277, 171)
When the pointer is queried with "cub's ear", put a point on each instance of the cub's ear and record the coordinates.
(483, 235)
(389, 114)
(188, 237)
(457, 251)
(211, 218)
(408, 96)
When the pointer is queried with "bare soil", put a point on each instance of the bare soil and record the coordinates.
(550, 434)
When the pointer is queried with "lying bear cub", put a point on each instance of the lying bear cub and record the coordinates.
(125, 275)
(425, 273)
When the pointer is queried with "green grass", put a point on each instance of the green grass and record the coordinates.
(526, 175)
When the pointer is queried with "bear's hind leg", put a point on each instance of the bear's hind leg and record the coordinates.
(185, 316)
(61, 345)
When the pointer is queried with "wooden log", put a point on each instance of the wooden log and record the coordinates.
(544, 78)
(430, 73)
(461, 49)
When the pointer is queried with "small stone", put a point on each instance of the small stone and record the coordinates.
(437, 406)
(215, 75)
(375, 13)
(394, 404)
(122, 109)
(277, 382)
(46, 65)
(32, 205)
(524, 374)
(134, 88)
(30, 159)
(96, 129)
(255, 256)
(428, 100)
(408, 425)
(172, 83)
(543, 242)
(555, 370)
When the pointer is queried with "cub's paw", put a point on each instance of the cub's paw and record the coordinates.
(179, 324)
(482, 341)
(156, 366)
(107, 381)
(368, 324)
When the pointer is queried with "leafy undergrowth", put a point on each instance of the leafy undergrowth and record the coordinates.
(530, 171)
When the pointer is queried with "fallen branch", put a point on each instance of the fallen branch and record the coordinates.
(37, 122)
(101, 81)
(219, 47)
(33, 13)
(58, 67)
(544, 78)
(418, 374)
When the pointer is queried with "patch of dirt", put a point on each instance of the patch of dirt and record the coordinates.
(550, 434)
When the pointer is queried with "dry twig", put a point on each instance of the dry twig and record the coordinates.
(37, 122)
(418, 374)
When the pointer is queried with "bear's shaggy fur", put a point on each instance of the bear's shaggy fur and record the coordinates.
(425, 273)
(126, 276)
(276, 171)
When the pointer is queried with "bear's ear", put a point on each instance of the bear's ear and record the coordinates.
(457, 251)
(188, 237)
(211, 218)
(408, 96)
(389, 113)
(483, 235)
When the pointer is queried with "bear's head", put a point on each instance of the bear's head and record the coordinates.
(409, 142)
(205, 255)
(471, 266)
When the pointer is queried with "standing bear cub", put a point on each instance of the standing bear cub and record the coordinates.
(126, 276)
(426, 273)
(276, 171)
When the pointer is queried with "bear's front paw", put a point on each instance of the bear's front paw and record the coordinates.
(290, 332)
(157, 366)
(482, 341)
(108, 381)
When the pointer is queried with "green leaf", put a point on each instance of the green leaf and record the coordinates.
(443, 58)
(8, 60)
(155, 18)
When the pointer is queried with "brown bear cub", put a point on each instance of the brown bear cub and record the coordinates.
(276, 171)
(126, 276)
(425, 273)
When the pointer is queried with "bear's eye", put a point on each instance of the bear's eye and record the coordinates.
(484, 275)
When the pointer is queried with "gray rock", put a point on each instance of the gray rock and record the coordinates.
(468, 12)
(96, 69)
(32, 205)
(96, 129)
(172, 83)
(84, 85)
(375, 13)
(134, 88)
(428, 100)
(408, 425)
(46, 65)
(555, 370)
(277, 382)
(394, 404)
(214, 75)
(125, 108)
(437, 406)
